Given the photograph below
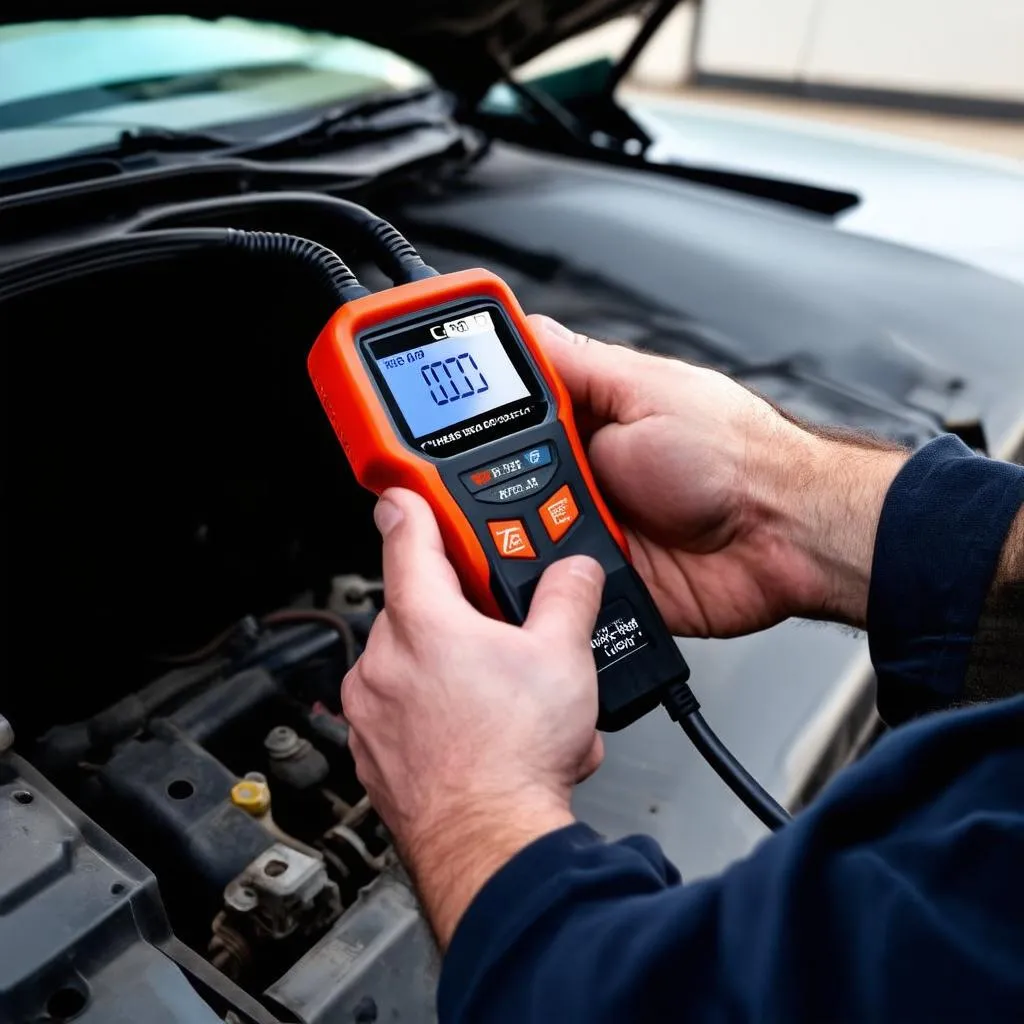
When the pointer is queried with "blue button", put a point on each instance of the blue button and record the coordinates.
(526, 461)
(539, 456)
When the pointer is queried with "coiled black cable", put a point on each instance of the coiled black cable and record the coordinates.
(337, 282)
(386, 245)
(329, 269)
(684, 708)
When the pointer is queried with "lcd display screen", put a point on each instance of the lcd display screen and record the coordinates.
(460, 372)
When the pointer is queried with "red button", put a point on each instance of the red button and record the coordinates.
(511, 539)
(558, 513)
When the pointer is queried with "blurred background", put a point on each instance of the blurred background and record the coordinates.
(939, 70)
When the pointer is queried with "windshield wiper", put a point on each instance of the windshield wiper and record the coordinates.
(366, 121)
(138, 141)
(112, 158)
(341, 126)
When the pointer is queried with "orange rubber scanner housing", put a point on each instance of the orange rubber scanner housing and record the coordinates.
(379, 458)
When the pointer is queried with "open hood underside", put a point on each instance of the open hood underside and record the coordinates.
(464, 44)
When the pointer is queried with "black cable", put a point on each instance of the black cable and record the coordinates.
(684, 708)
(335, 278)
(732, 773)
(387, 246)
(332, 272)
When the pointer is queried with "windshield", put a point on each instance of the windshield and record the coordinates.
(70, 86)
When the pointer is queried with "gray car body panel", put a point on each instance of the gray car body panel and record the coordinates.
(965, 205)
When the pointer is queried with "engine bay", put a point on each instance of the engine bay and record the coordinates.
(186, 513)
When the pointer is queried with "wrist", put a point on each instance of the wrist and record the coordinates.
(463, 843)
(819, 503)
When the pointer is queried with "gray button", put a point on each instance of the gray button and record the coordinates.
(521, 487)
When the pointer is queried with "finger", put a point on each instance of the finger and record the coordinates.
(593, 759)
(596, 374)
(567, 599)
(417, 573)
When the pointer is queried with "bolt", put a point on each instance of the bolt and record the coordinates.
(241, 898)
(282, 742)
(6, 735)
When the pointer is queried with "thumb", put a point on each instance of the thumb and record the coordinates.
(567, 599)
(597, 374)
(417, 573)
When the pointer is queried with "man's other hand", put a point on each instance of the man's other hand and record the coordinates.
(463, 727)
(737, 517)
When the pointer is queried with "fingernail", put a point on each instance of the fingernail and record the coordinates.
(557, 330)
(387, 515)
(586, 568)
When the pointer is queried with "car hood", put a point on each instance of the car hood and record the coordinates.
(966, 205)
(464, 44)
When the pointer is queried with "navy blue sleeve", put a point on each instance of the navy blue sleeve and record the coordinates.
(896, 896)
(941, 531)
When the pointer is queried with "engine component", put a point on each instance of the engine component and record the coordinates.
(252, 795)
(378, 962)
(253, 872)
(344, 836)
(175, 799)
(283, 890)
(103, 961)
(281, 894)
(294, 760)
(352, 594)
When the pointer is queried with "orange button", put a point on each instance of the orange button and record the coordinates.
(559, 512)
(510, 538)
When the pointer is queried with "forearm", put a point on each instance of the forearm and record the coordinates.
(927, 552)
(818, 496)
(452, 858)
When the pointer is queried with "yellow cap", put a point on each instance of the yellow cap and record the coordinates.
(251, 796)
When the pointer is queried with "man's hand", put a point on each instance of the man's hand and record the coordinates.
(736, 516)
(469, 733)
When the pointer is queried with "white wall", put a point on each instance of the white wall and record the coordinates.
(754, 38)
(959, 47)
